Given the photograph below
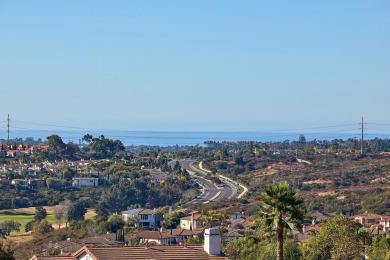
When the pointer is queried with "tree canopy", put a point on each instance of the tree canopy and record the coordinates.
(338, 239)
(8, 226)
(281, 211)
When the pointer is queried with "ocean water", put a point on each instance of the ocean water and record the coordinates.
(179, 138)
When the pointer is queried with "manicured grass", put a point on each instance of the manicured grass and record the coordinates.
(27, 214)
(22, 218)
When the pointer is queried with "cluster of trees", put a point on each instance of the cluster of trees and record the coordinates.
(103, 148)
(39, 225)
(27, 140)
(22, 198)
(371, 145)
(124, 184)
(281, 212)
(96, 148)
(140, 192)
(7, 227)
(64, 212)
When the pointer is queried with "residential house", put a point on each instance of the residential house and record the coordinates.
(210, 250)
(318, 215)
(37, 148)
(236, 215)
(191, 222)
(23, 183)
(36, 184)
(144, 217)
(158, 177)
(31, 173)
(65, 247)
(308, 232)
(183, 234)
(230, 236)
(157, 237)
(385, 223)
(85, 182)
(101, 241)
(368, 218)
(187, 211)
(71, 246)
(16, 153)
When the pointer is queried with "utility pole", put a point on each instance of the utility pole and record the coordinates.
(8, 130)
(361, 140)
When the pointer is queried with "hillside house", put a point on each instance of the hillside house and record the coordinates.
(158, 177)
(23, 183)
(183, 234)
(157, 237)
(385, 223)
(144, 217)
(85, 182)
(191, 222)
(367, 218)
(36, 184)
(230, 236)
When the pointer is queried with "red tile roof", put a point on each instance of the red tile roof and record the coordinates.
(185, 232)
(153, 235)
(58, 257)
(148, 211)
(190, 252)
(196, 217)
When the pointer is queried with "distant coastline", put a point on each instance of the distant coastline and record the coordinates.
(164, 138)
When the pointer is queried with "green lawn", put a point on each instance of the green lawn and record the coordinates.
(22, 218)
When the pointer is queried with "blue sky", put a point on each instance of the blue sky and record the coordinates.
(195, 65)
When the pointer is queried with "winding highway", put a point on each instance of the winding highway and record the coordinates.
(210, 191)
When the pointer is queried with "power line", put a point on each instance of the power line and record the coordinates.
(61, 126)
(310, 128)
(378, 124)
(284, 132)
(100, 129)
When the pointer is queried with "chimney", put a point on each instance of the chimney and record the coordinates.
(212, 241)
(185, 243)
(303, 228)
(146, 245)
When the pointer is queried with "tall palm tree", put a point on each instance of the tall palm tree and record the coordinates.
(281, 211)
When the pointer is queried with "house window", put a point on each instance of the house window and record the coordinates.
(144, 217)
